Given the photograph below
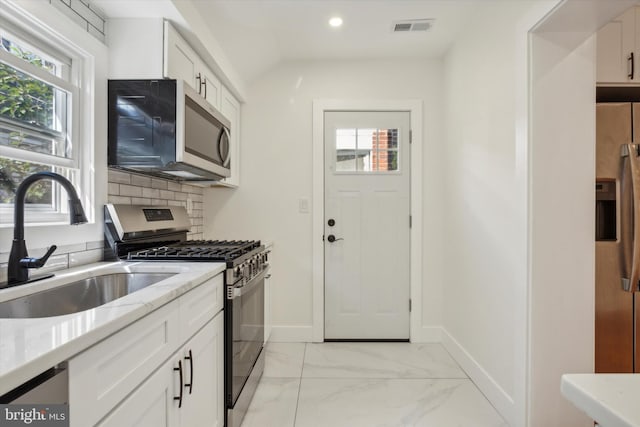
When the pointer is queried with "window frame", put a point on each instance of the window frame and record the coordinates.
(363, 172)
(56, 212)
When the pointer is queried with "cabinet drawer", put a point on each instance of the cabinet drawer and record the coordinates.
(103, 375)
(200, 305)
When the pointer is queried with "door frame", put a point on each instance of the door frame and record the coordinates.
(414, 107)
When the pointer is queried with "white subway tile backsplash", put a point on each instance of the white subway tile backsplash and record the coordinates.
(181, 196)
(119, 177)
(85, 257)
(96, 33)
(55, 262)
(130, 190)
(159, 183)
(167, 195)
(174, 186)
(89, 15)
(70, 13)
(114, 189)
(95, 245)
(151, 193)
(176, 203)
(119, 200)
(158, 202)
(141, 181)
(140, 201)
(81, 12)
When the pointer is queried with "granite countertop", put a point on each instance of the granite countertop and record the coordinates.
(31, 346)
(609, 399)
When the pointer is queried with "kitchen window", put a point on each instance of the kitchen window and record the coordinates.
(38, 104)
(366, 150)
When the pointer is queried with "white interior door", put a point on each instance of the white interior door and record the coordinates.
(367, 225)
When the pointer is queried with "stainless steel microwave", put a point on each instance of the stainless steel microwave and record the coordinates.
(165, 128)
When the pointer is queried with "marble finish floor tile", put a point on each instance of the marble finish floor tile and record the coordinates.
(393, 403)
(379, 360)
(274, 403)
(366, 385)
(284, 360)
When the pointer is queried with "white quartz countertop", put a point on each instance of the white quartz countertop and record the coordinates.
(609, 399)
(31, 346)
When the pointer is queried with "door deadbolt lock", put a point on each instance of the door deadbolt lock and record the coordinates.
(331, 222)
(331, 238)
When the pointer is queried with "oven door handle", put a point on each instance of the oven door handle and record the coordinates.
(239, 291)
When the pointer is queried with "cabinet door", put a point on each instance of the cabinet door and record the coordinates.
(151, 405)
(203, 404)
(230, 107)
(180, 60)
(211, 86)
(615, 43)
(103, 375)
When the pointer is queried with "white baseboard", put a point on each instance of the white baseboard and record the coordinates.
(281, 333)
(428, 334)
(488, 386)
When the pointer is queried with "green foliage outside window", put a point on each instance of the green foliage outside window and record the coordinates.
(26, 100)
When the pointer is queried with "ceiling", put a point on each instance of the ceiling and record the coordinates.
(257, 34)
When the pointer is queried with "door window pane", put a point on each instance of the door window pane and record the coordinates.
(367, 150)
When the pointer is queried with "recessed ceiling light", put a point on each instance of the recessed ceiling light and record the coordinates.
(336, 21)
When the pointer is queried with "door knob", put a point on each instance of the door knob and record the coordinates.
(331, 238)
(331, 222)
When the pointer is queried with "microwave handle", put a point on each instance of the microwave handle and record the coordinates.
(225, 154)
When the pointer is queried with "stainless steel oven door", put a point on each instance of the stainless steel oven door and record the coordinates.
(245, 336)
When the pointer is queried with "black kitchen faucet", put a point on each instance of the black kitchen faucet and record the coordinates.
(19, 261)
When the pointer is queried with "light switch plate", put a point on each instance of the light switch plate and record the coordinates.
(303, 205)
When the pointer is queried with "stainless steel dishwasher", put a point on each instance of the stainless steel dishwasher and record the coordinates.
(50, 387)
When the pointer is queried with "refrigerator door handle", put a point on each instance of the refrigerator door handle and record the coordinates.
(630, 217)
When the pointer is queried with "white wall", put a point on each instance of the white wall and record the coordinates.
(276, 171)
(562, 224)
(485, 228)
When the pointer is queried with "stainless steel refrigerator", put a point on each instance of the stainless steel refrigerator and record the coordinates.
(617, 301)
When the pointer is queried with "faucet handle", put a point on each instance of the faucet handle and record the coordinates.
(38, 262)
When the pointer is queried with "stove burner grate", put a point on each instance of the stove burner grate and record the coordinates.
(193, 250)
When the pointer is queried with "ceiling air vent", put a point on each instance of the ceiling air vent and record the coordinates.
(412, 25)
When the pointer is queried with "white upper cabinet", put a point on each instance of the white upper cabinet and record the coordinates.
(618, 50)
(182, 62)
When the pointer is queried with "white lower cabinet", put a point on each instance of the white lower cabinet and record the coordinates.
(203, 399)
(132, 378)
(163, 400)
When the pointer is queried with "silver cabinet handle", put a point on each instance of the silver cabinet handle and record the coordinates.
(630, 217)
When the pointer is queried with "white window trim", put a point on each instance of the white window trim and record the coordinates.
(82, 74)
